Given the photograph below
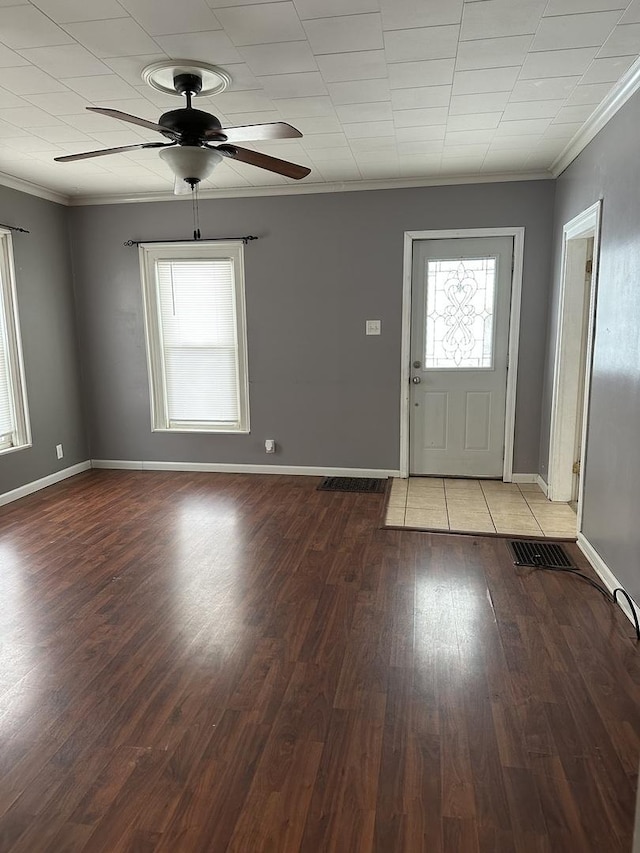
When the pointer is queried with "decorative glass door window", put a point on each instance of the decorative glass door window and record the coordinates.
(460, 313)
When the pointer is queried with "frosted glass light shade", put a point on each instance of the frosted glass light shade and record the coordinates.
(189, 162)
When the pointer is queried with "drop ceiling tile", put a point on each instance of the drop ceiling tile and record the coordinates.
(462, 137)
(116, 37)
(315, 107)
(322, 155)
(376, 111)
(544, 89)
(261, 24)
(557, 63)
(632, 15)
(513, 142)
(308, 9)
(417, 118)
(340, 171)
(571, 7)
(127, 136)
(624, 40)
(420, 133)
(313, 125)
(373, 143)
(481, 121)
(425, 96)
(130, 67)
(86, 122)
(101, 86)
(31, 144)
(369, 128)
(466, 165)
(345, 33)
(574, 114)
(58, 103)
(405, 14)
(69, 11)
(26, 26)
(419, 167)
(325, 140)
(343, 67)
(421, 43)
(515, 128)
(486, 102)
(431, 72)
(303, 85)
(496, 18)
(159, 99)
(589, 94)
(562, 131)
(289, 57)
(10, 59)
(134, 106)
(71, 60)
(27, 117)
(186, 16)
(8, 130)
(29, 80)
(62, 133)
(487, 80)
(429, 146)
(10, 101)
(532, 109)
(242, 119)
(214, 43)
(359, 92)
(242, 102)
(473, 149)
(569, 31)
(241, 76)
(608, 70)
(492, 52)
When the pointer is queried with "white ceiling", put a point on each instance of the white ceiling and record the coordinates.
(381, 89)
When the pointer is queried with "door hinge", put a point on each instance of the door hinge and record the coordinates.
(576, 467)
(589, 266)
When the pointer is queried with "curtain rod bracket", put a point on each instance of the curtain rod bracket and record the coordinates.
(245, 240)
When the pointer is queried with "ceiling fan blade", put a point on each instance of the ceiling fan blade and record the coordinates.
(264, 161)
(86, 154)
(150, 125)
(259, 132)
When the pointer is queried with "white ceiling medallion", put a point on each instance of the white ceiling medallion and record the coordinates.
(160, 75)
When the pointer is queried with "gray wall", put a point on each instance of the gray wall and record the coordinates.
(324, 263)
(47, 321)
(609, 168)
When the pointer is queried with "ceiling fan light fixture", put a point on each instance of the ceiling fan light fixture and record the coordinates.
(190, 163)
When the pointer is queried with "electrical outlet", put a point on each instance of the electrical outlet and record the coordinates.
(373, 327)
(270, 445)
(59, 451)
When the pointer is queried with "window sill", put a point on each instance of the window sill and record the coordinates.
(13, 449)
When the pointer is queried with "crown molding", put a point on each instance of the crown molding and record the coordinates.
(617, 97)
(32, 189)
(309, 189)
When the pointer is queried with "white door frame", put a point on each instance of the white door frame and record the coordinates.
(514, 334)
(567, 369)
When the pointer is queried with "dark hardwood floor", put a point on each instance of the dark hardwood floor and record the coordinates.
(195, 662)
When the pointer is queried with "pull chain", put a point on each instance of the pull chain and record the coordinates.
(196, 212)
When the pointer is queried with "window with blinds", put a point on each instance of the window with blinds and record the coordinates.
(196, 336)
(14, 422)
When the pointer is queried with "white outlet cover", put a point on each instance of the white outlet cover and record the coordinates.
(373, 327)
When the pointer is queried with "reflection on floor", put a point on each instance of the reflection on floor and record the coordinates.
(478, 506)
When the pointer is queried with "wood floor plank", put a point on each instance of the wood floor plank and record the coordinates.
(201, 663)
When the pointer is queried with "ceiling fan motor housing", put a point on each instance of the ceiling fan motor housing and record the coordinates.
(192, 126)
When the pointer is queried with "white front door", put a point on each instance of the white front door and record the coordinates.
(460, 307)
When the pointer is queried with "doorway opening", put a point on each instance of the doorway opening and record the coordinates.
(573, 357)
(465, 411)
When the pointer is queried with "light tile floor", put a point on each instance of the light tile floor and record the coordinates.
(478, 506)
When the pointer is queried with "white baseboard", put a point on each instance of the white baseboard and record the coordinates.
(606, 575)
(43, 482)
(543, 485)
(524, 478)
(231, 468)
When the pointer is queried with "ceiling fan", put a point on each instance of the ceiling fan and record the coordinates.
(197, 140)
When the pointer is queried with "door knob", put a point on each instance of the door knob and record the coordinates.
(416, 380)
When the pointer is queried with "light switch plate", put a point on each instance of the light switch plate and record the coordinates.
(373, 327)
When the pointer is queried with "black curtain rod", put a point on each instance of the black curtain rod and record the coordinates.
(15, 228)
(245, 240)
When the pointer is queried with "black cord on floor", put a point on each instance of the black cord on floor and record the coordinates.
(600, 589)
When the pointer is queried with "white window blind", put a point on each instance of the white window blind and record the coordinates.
(14, 420)
(199, 340)
(196, 338)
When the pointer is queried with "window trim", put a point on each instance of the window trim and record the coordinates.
(149, 254)
(18, 385)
